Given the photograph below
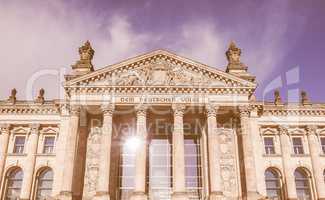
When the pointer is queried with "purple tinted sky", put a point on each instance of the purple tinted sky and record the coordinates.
(282, 41)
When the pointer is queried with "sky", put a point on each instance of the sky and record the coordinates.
(282, 41)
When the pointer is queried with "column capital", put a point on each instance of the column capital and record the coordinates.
(311, 130)
(211, 110)
(75, 110)
(108, 109)
(34, 128)
(141, 109)
(283, 130)
(178, 109)
(5, 128)
(244, 111)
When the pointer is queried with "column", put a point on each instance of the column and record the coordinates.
(102, 192)
(4, 140)
(60, 145)
(66, 192)
(248, 154)
(214, 154)
(139, 192)
(288, 175)
(179, 188)
(30, 162)
(314, 148)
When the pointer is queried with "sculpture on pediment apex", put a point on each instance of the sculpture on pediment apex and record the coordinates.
(233, 53)
(86, 52)
(12, 98)
(40, 98)
(233, 56)
(277, 97)
(84, 65)
(304, 100)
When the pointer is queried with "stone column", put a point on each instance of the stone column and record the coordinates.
(102, 192)
(139, 192)
(4, 141)
(214, 154)
(66, 192)
(314, 148)
(30, 162)
(60, 145)
(248, 154)
(179, 187)
(286, 148)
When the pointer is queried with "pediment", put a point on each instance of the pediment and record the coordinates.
(159, 68)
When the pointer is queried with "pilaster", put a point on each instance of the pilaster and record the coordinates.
(30, 162)
(214, 154)
(66, 192)
(246, 131)
(4, 141)
(314, 148)
(102, 192)
(286, 149)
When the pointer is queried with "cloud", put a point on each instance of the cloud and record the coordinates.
(42, 38)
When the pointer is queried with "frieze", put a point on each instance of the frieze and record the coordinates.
(228, 163)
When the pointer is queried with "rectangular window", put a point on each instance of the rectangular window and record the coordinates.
(269, 145)
(193, 167)
(322, 141)
(19, 145)
(297, 145)
(48, 147)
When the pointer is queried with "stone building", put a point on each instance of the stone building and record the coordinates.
(160, 126)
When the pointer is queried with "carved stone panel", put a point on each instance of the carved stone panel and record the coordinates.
(228, 164)
(92, 163)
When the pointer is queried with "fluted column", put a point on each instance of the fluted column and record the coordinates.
(248, 154)
(286, 149)
(214, 154)
(4, 140)
(70, 154)
(179, 187)
(102, 192)
(139, 192)
(30, 162)
(314, 148)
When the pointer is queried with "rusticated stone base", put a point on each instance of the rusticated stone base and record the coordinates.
(101, 195)
(254, 196)
(138, 196)
(216, 196)
(179, 196)
(65, 195)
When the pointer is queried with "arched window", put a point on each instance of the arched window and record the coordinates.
(273, 184)
(302, 184)
(44, 184)
(14, 181)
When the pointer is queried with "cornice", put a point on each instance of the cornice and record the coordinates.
(160, 90)
(29, 108)
(138, 61)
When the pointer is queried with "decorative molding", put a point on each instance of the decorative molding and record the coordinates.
(178, 109)
(141, 110)
(108, 109)
(244, 111)
(211, 110)
(29, 108)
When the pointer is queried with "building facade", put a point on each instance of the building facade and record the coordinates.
(161, 127)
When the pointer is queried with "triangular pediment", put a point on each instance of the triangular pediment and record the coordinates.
(159, 68)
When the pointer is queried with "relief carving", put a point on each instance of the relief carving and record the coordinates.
(159, 72)
(228, 162)
(92, 163)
